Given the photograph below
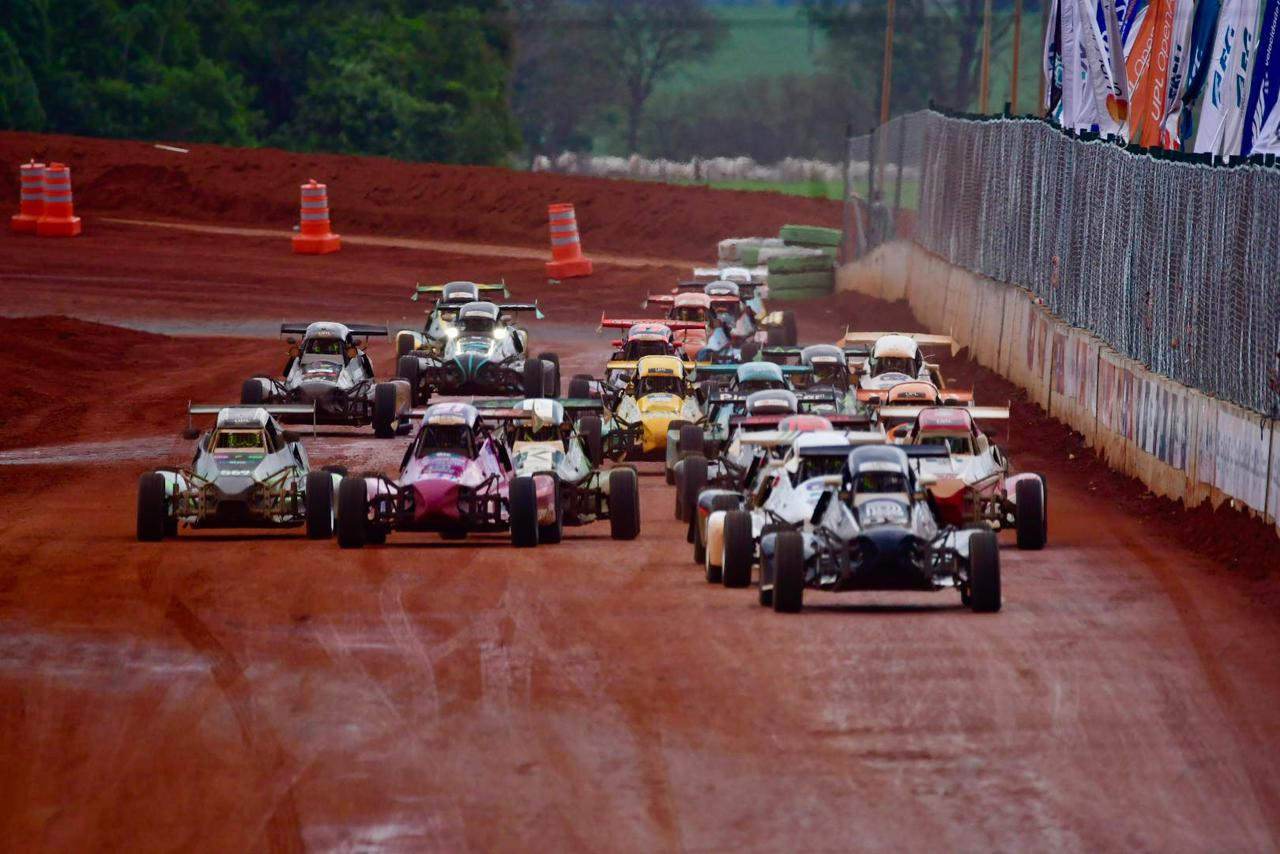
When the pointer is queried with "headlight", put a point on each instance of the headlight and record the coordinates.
(882, 513)
(500, 333)
(451, 332)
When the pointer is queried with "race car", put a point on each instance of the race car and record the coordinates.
(658, 395)
(829, 370)
(456, 478)
(642, 338)
(729, 523)
(969, 477)
(448, 299)
(559, 444)
(248, 472)
(894, 358)
(877, 531)
(700, 309)
(485, 353)
(331, 370)
(766, 327)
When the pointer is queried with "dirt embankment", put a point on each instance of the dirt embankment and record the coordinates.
(374, 195)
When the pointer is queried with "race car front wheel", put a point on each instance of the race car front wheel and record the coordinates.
(319, 505)
(522, 506)
(624, 504)
(153, 515)
(534, 375)
(788, 572)
(384, 411)
(1029, 496)
(580, 387)
(592, 430)
(739, 549)
(984, 572)
(409, 368)
(353, 513)
(691, 477)
(251, 393)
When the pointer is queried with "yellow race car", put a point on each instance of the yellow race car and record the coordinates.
(658, 396)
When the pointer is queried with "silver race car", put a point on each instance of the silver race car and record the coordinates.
(248, 472)
(331, 370)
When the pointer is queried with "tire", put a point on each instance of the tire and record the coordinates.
(591, 429)
(319, 505)
(250, 393)
(409, 368)
(404, 344)
(353, 513)
(788, 572)
(580, 387)
(1029, 498)
(338, 470)
(984, 572)
(554, 359)
(153, 514)
(624, 504)
(720, 502)
(692, 441)
(690, 480)
(384, 411)
(551, 534)
(810, 235)
(750, 349)
(522, 508)
(1044, 481)
(533, 376)
(776, 336)
(791, 332)
(739, 549)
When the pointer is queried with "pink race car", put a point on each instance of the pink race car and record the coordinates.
(456, 478)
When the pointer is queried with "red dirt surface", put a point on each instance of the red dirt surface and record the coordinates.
(229, 691)
(372, 195)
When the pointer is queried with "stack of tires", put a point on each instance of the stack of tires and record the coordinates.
(745, 251)
(805, 267)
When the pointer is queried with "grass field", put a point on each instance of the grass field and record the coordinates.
(764, 40)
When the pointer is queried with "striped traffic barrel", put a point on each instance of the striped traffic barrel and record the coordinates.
(57, 216)
(314, 237)
(31, 201)
(567, 260)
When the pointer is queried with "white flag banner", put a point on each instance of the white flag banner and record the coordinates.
(1227, 96)
(1104, 70)
(1077, 97)
(1179, 58)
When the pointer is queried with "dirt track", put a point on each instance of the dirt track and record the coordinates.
(224, 692)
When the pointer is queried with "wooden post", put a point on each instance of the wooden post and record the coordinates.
(886, 73)
(1017, 51)
(986, 57)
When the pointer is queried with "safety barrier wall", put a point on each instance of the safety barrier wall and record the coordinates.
(1178, 441)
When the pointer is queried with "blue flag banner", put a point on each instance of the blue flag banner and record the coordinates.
(1262, 117)
(1199, 55)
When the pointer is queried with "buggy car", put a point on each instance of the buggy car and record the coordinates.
(446, 300)
(485, 353)
(559, 445)
(658, 397)
(456, 478)
(330, 370)
(877, 531)
(247, 472)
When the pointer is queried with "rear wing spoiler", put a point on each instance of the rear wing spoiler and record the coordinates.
(745, 289)
(732, 368)
(194, 409)
(521, 306)
(846, 422)
(977, 413)
(926, 451)
(504, 407)
(421, 289)
(658, 299)
(628, 322)
(868, 339)
(362, 330)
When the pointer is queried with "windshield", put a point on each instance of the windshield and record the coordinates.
(638, 349)
(748, 386)
(880, 482)
(660, 384)
(957, 444)
(811, 467)
(895, 365)
(546, 433)
(239, 440)
(445, 439)
(477, 323)
(323, 346)
(691, 312)
(830, 373)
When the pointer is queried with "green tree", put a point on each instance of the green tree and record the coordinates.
(20, 107)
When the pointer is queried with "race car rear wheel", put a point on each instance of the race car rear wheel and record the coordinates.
(533, 378)
(353, 513)
(551, 388)
(984, 572)
(580, 387)
(384, 411)
(592, 430)
(251, 392)
(750, 349)
(691, 441)
(522, 506)
(1029, 496)
(698, 535)
(409, 368)
(319, 505)
(766, 565)
(624, 504)
(153, 514)
(739, 549)
(553, 532)
(691, 477)
(776, 336)
(788, 572)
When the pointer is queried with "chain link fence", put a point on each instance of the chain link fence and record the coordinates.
(1174, 263)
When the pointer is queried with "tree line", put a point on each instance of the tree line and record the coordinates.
(466, 81)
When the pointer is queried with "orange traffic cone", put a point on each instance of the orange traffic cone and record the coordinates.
(57, 219)
(316, 238)
(567, 260)
(32, 202)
